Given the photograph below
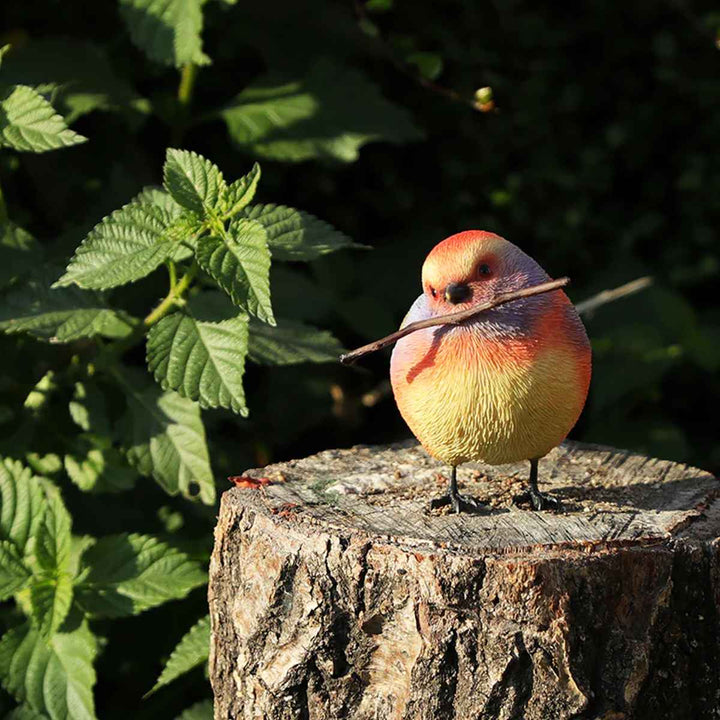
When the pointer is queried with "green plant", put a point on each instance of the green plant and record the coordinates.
(93, 421)
(217, 249)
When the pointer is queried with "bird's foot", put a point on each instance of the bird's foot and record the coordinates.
(539, 501)
(459, 504)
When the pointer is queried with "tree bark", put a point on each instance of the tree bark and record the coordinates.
(336, 592)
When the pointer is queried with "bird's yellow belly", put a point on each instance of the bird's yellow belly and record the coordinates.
(498, 402)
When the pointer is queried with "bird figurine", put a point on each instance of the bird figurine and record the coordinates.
(504, 386)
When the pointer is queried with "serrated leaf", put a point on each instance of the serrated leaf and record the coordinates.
(21, 504)
(125, 246)
(61, 315)
(29, 123)
(25, 712)
(202, 710)
(53, 542)
(192, 650)
(50, 601)
(165, 438)
(239, 261)
(153, 195)
(167, 31)
(77, 74)
(330, 113)
(202, 361)
(53, 677)
(193, 181)
(183, 225)
(241, 192)
(290, 343)
(46, 464)
(297, 235)
(127, 574)
(80, 544)
(14, 574)
(99, 470)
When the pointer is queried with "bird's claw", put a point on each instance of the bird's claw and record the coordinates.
(539, 501)
(459, 504)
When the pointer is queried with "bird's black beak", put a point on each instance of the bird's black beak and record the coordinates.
(457, 293)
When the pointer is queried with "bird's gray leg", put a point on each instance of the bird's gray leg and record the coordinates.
(459, 503)
(538, 500)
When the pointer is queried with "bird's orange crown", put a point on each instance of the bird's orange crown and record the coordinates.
(474, 266)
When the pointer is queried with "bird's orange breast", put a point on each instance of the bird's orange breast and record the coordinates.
(500, 398)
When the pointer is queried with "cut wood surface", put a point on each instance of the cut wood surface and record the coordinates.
(336, 592)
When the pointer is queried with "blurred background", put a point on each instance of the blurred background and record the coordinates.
(592, 145)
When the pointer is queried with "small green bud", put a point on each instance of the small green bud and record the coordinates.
(484, 95)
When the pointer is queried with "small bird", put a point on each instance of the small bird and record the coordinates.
(504, 386)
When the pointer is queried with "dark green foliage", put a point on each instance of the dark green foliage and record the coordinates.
(162, 297)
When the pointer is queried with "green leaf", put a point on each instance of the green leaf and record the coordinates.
(87, 408)
(190, 652)
(61, 315)
(125, 246)
(80, 543)
(241, 192)
(296, 235)
(29, 123)
(194, 182)
(167, 31)
(239, 261)
(330, 113)
(203, 361)
(21, 504)
(46, 464)
(153, 195)
(199, 711)
(53, 677)
(165, 438)
(14, 574)
(127, 574)
(51, 591)
(77, 74)
(50, 601)
(290, 343)
(99, 470)
(53, 542)
(41, 392)
(25, 712)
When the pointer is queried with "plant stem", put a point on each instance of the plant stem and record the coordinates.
(188, 74)
(172, 272)
(172, 298)
(187, 83)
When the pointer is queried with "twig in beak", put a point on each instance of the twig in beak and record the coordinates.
(454, 318)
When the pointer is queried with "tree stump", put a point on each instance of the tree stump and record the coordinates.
(336, 592)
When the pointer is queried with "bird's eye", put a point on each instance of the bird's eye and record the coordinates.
(484, 269)
(433, 292)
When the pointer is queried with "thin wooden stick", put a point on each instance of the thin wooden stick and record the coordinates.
(453, 318)
(591, 304)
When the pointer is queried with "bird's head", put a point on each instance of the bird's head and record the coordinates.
(473, 267)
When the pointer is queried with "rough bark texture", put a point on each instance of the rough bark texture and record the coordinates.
(335, 592)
